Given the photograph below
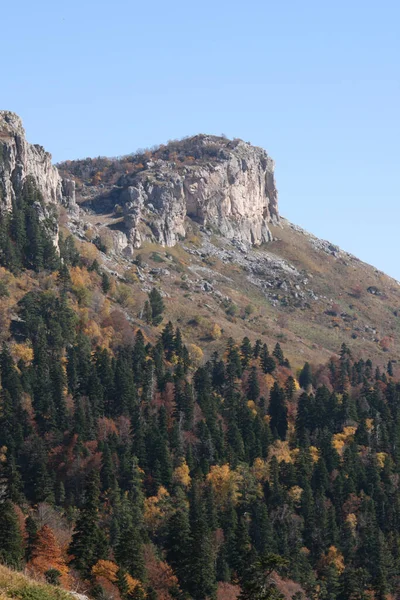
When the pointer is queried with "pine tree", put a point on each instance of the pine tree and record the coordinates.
(129, 549)
(246, 351)
(87, 545)
(290, 387)
(11, 546)
(277, 411)
(305, 378)
(256, 583)
(178, 540)
(157, 306)
(202, 582)
(253, 388)
(278, 354)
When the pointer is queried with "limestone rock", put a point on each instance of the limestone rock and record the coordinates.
(233, 193)
(19, 160)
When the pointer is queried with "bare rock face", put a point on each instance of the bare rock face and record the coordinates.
(19, 160)
(230, 187)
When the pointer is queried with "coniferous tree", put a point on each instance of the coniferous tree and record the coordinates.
(278, 354)
(257, 583)
(87, 544)
(278, 411)
(11, 546)
(202, 583)
(305, 378)
(156, 305)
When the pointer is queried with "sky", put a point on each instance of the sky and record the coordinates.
(317, 84)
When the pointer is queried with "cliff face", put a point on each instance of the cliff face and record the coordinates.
(224, 185)
(19, 160)
(233, 191)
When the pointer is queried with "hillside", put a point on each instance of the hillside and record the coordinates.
(297, 289)
(198, 403)
(14, 585)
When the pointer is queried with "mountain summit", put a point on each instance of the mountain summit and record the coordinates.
(218, 183)
(198, 399)
(213, 203)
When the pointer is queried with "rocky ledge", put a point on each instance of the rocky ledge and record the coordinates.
(233, 191)
(227, 186)
(19, 160)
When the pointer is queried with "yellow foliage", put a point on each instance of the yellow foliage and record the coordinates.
(314, 453)
(269, 380)
(260, 470)
(225, 484)
(252, 406)
(79, 276)
(351, 519)
(181, 475)
(23, 352)
(295, 493)
(381, 457)
(131, 275)
(3, 454)
(106, 569)
(339, 440)
(155, 509)
(335, 557)
(88, 251)
(92, 329)
(196, 354)
(281, 451)
(294, 453)
(369, 424)
(215, 332)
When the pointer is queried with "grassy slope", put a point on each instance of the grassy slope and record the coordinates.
(305, 333)
(15, 585)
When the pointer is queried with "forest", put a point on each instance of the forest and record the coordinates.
(131, 470)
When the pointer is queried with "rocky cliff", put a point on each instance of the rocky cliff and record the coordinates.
(19, 160)
(224, 185)
(227, 186)
(233, 192)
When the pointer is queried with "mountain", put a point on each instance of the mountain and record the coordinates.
(198, 399)
(213, 202)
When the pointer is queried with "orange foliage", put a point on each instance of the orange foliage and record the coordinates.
(161, 576)
(106, 569)
(110, 590)
(334, 557)
(227, 591)
(46, 554)
(105, 428)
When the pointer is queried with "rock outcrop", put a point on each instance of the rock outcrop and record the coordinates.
(19, 160)
(231, 190)
(224, 185)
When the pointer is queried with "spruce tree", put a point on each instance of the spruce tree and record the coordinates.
(277, 411)
(305, 378)
(11, 543)
(156, 306)
(87, 544)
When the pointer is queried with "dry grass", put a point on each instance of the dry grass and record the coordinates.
(15, 585)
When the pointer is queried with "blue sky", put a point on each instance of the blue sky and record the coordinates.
(315, 83)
